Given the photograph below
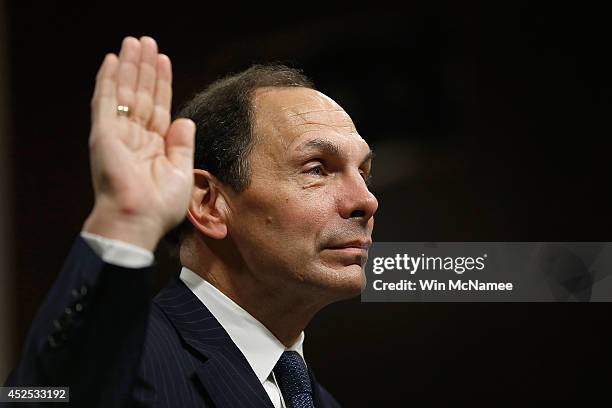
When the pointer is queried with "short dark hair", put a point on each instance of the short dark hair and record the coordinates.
(224, 116)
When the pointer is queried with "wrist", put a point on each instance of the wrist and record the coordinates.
(132, 229)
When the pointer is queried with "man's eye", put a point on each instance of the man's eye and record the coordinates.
(316, 171)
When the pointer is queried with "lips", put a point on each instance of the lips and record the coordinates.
(350, 252)
(358, 244)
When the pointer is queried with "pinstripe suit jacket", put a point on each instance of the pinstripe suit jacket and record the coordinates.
(99, 333)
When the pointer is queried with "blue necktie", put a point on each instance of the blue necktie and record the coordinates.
(293, 379)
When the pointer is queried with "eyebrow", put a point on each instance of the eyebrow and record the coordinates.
(330, 148)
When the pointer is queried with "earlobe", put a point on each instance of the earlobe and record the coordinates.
(207, 210)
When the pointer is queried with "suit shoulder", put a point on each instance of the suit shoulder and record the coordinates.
(161, 334)
(330, 401)
(166, 367)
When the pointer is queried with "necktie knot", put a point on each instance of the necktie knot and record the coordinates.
(293, 379)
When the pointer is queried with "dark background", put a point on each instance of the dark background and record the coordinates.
(489, 125)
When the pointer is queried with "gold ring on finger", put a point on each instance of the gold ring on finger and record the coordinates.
(123, 110)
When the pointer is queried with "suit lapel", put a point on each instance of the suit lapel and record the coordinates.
(225, 373)
(316, 392)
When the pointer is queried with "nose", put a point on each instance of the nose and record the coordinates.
(355, 199)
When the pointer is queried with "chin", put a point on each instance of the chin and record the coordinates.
(343, 282)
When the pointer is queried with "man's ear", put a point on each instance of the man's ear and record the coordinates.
(207, 209)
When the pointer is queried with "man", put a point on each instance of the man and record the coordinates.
(279, 225)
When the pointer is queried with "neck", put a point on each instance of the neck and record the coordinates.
(281, 310)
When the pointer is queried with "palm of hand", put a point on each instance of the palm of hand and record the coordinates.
(142, 166)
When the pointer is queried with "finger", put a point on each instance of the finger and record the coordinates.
(104, 100)
(180, 144)
(160, 119)
(127, 76)
(147, 73)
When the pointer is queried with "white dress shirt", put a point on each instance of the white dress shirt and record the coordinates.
(258, 345)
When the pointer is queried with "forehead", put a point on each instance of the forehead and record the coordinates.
(285, 117)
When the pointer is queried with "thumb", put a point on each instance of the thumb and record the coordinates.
(180, 140)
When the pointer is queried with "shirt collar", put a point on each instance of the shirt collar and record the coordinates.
(258, 345)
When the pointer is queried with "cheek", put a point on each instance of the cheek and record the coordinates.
(282, 214)
(298, 215)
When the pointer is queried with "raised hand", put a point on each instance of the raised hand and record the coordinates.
(141, 164)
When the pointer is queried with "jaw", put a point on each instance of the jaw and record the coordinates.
(332, 283)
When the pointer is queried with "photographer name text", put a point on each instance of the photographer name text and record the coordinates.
(438, 286)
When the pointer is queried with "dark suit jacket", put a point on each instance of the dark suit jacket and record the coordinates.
(99, 333)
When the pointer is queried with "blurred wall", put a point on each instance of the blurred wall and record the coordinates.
(6, 198)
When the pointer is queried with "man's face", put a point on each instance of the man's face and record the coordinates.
(305, 222)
